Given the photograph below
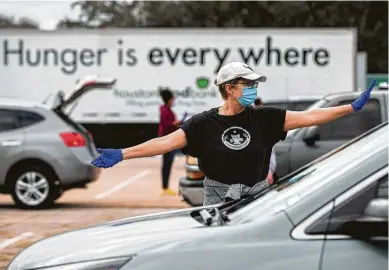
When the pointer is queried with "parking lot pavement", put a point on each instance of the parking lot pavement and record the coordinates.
(134, 183)
(131, 188)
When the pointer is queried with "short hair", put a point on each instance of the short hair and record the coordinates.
(165, 94)
(222, 87)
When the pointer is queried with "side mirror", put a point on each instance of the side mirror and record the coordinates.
(372, 223)
(377, 208)
(312, 135)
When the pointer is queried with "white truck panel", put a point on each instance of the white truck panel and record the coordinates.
(297, 62)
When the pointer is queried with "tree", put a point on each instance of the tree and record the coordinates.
(96, 14)
(10, 22)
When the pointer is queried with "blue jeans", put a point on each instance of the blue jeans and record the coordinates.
(167, 162)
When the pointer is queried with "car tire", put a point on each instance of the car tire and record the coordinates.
(58, 194)
(32, 187)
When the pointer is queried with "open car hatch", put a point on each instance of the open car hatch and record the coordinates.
(85, 85)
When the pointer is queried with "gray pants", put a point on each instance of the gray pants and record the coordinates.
(216, 192)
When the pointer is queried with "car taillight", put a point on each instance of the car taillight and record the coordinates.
(73, 139)
(195, 175)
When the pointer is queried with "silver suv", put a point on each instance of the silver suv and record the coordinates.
(43, 152)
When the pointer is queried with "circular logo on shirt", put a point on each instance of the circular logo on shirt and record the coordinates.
(236, 138)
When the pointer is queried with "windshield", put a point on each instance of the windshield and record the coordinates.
(311, 178)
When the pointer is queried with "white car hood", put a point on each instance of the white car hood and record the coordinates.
(120, 238)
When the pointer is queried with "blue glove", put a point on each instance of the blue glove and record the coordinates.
(363, 98)
(184, 117)
(108, 158)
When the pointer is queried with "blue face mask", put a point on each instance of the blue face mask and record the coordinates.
(249, 94)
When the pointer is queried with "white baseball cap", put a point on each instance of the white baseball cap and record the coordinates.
(235, 70)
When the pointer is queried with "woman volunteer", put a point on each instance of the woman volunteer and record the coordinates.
(233, 143)
(167, 124)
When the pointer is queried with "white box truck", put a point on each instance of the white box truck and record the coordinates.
(297, 62)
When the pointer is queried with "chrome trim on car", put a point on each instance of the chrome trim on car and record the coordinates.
(191, 168)
(298, 233)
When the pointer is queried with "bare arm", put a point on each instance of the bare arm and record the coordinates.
(157, 146)
(314, 117)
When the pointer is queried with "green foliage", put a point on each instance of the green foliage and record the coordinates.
(10, 22)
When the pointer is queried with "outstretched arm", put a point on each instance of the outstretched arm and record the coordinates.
(314, 117)
(110, 157)
(157, 146)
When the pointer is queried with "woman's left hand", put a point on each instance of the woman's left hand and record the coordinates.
(363, 98)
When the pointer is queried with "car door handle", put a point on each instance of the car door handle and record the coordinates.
(11, 143)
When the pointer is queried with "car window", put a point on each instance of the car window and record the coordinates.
(382, 190)
(27, 118)
(315, 176)
(321, 103)
(299, 105)
(352, 125)
(350, 209)
(281, 105)
(8, 120)
(292, 105)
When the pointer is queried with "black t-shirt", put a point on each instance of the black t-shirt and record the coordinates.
(237, 148)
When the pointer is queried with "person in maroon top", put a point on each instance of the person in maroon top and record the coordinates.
(167, 124)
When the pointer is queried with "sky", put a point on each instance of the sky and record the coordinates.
(45, 13)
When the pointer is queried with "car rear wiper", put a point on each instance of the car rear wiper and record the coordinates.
(210, 216)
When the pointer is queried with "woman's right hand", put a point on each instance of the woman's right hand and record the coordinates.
(107, 158)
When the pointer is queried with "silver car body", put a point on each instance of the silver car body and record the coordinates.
(43, 151)
(42, 141)
(270, 232)
(293, 103)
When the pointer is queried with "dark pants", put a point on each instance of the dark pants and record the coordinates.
(166, 167)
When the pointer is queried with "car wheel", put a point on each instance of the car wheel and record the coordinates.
(33, 188)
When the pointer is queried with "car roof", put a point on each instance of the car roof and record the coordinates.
(295, 98)
(22, 103)
(374, 93)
